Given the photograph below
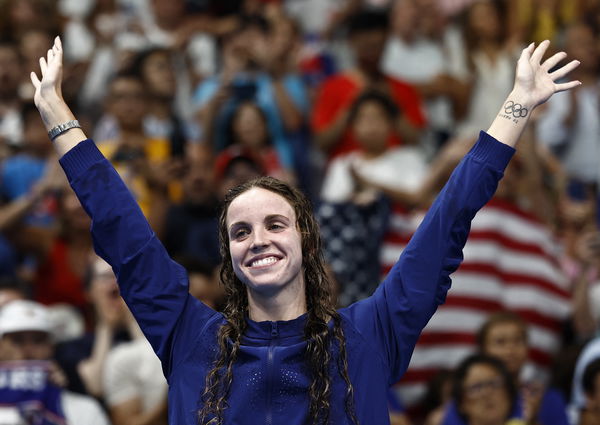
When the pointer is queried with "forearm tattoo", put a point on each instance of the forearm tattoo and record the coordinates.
(513, 111)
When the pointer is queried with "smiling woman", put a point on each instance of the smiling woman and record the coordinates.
(280, 352)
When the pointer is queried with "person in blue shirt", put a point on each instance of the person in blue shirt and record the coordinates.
(280, 352)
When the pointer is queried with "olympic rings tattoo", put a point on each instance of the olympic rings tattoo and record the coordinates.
(515, 109)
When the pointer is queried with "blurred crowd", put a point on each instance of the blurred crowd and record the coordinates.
(366, 106)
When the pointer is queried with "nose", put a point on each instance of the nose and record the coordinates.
(259, 240)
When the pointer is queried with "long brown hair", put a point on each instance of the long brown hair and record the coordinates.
(320, 309)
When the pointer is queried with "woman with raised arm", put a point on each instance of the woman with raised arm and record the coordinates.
(280, 352)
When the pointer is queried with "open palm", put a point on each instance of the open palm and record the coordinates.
(51, 78)
(533, 77)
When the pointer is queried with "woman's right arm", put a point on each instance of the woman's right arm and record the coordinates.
(154, 287)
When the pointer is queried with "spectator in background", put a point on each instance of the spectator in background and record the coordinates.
(136, 156)
(590, 415)
(255, 67)
(491, 51)
(32, 44)
(189, 227)
(83, 359)
(427, 52)
(26, 335)
(11, 126)
(484, 391)
(354, 214)
(582, 392)
(570, 126)
(22, 171)
(12, 288)
(580, 262)
(504, 336)
(162, 121)
(333, 134)
(248, 133)
(135, 388)
(204, 282)
(60, 253)
(19, 16)
(235, 171)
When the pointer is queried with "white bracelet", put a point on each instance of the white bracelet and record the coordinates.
(61, 128)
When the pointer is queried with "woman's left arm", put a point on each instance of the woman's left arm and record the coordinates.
(403, 304)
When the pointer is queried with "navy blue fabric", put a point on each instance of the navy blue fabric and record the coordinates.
(270, 377)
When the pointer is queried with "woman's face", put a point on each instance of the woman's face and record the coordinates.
(372, 127)
(508, 342)
(486, 400)
(159, 74)
(249, 127)
(484, 20)
(264, 243)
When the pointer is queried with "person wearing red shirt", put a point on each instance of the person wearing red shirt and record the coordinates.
(367, 34)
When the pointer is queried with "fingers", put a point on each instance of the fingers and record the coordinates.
(43, 66)
(538, 53)
(526, 53)
(566, 86)
(552, 61)
(35, 80)
(564, 70)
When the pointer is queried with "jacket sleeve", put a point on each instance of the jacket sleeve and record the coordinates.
(154, 286)
(393, 317)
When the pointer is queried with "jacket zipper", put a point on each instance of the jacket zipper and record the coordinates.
(270, 367)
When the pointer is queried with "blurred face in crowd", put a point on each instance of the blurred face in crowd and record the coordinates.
(484, 21)
(104, 291)
(127, 102)
(198, 182)
(508, 342)
(169, 14)
(372, 127)
(24, 14)
(238, 171)
(34, 45)
(404, 16)
(71, 211)
(582, 45)
(485, 398)
(10, 294)
(249, 126)
(368, 48)
(34, 133)
(10, 71)
(26, 345)
(205, 288)
(159, 75)
(283, 37)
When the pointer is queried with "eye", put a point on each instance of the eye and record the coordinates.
(241, 233)
(275, 226)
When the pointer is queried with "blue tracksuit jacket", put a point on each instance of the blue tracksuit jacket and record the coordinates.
(270, 379)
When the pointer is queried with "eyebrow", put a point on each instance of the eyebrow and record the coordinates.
(270, 217)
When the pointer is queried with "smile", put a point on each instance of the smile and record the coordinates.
(264, 262)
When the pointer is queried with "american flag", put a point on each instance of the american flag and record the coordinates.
(510, 263)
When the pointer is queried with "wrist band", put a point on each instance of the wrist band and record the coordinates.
(61, 128)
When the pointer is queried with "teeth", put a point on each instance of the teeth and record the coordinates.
(264, 262)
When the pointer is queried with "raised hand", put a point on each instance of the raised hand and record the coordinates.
(49, 100)
(534, 82)
(48, 89)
